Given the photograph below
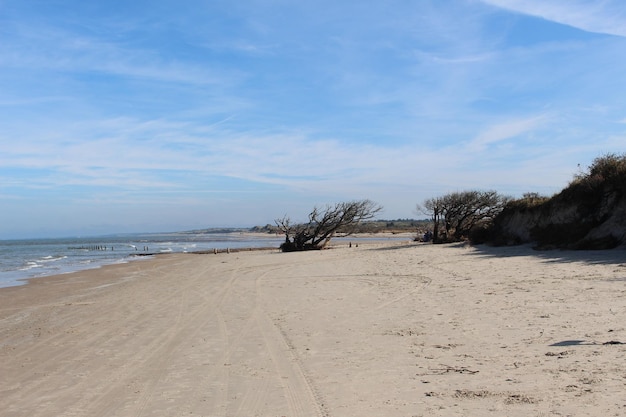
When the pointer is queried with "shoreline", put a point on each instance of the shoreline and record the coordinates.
(21, 274)
(388, 328)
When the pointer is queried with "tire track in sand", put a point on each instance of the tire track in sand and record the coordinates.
(303, 398)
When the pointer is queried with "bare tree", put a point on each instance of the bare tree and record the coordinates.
(324, 224)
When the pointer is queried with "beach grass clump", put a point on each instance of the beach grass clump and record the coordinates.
(528, 201)
(606, 174)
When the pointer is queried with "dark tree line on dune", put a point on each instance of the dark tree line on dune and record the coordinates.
(588, 214)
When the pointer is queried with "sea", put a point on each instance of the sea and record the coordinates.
(21, 260)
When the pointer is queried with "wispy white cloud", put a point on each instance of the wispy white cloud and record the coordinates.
(504, 131)
(52, 48)
(151, 156)
(607, 16)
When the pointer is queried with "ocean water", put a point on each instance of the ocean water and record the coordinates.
(24, 259)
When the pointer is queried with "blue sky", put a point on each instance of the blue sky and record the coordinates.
(164, 115)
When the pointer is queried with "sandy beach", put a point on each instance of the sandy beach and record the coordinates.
(383, 329)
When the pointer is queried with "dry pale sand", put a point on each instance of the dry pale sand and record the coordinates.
(388, 329)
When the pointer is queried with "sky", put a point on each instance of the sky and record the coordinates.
(162, 115)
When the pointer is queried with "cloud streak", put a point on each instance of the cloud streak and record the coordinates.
(505, 131)
(606, 17)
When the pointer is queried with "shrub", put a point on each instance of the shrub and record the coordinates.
(607, 170)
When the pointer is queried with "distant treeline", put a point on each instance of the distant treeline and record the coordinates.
(371, 226)
(216, 230)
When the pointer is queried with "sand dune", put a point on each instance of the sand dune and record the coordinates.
(387, 329)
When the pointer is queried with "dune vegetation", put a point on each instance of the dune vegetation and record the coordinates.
(590, 213)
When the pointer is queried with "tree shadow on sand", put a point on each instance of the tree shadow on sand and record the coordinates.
(615, 256)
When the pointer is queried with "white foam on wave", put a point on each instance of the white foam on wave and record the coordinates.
(31, 265)
(52, 258)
